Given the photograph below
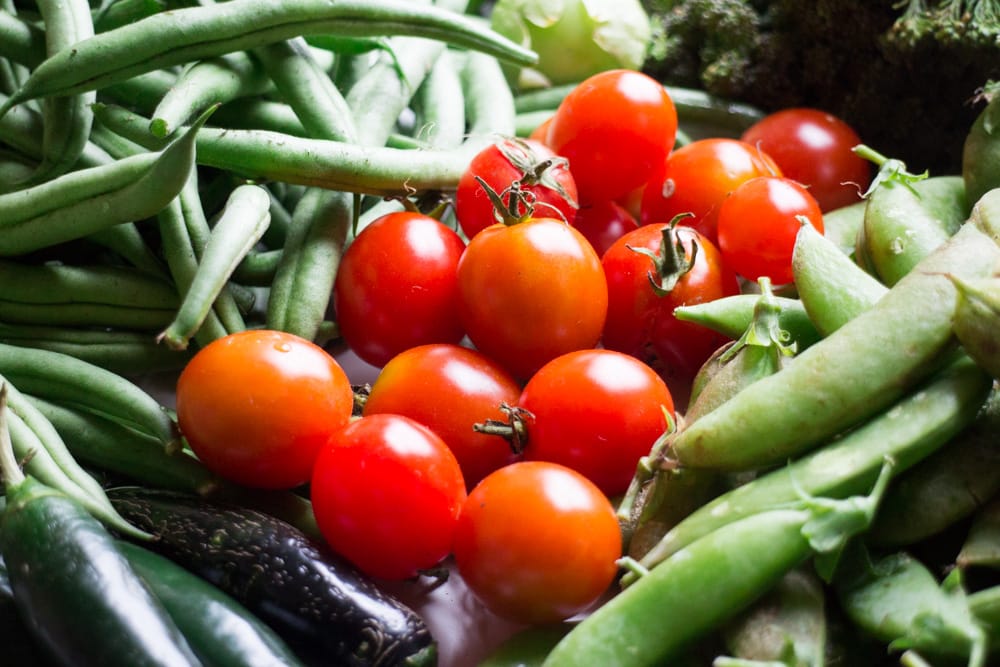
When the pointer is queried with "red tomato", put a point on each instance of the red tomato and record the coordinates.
(603, 223)
(397, 286)
(616, 127)
(542, 175)
(814, 148)
(758, 224)
(641, 321)
(695, 179)
(257, 406)
(449, 389)
(386, 492)
(597, 412)
(537, 543)
(530, 292)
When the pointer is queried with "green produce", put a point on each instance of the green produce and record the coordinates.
(976, 318)
(981, 149)
(69, 578)
(318, 603)
(731, 315)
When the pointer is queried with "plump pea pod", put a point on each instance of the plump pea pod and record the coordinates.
(65, 379)
(20, 41)
(262, 155)
(667, 608)
(203, 84)
(67, 118)
(907, 433)
(731, 315)
(977, 317)
(981, 547)
(833, 289)
(242, 223)
(785, 627)
(220, 630)
(73, 206)
(899, 601)
(843, 224)
(85, 602)
(904, 222)
(981, 149)
(189, 34)
(862, 368)
(944, 488)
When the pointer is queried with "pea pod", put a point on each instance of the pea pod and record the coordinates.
(981, 547)
(843, 224)
(981, 149)
(86, 603)
(731, 315)
(863, 367)
(976, 319)
(667, 608)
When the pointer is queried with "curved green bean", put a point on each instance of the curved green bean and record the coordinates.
(440, 105)
(21, 42)
(189, 34)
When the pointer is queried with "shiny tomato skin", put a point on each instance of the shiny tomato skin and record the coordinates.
(758, 224)
(499, 165)
(814, 148)
(386, 492)
(397, 287)
(450, 388)
(615, 127)
(603, 223)
(697, 177)
(595, 411)
(257, 406)
(641, 323)
(530, 292)
(537, 543)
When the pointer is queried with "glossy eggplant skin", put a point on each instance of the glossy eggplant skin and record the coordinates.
(325, 609)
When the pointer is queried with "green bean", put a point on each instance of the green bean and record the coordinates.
(203, 84)
(907, 432)
(189, 34)
(116, 350)
(668, 608)
(440, 104)
(527, 122)
(122, 12)
(70, 381)
(832, 288)
(20, 41)
(240, 226)
(259, 114)
(66, 118)
(85, 314)
(260, 155)
(489, 102)
(142, 92)
(82, 202)
(258, 268)
(15, 168)
(731, 315)
(127, 242)
(22, 129)
(899, 601)
(52, 283)
(860, 369)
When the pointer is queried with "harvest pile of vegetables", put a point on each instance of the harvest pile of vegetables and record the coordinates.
(658, 377)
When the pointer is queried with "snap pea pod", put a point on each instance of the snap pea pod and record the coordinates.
(904, 223)
(907, 432)
(238, 229)
(981, 148)
(188, 34)
(79, 203)
(981, 547)
(67, 118)
(976, 318)
(263, 155)
(985, 607)
(68, 577)
(899, 601)
(863, 367)
(832, 288)
(731, 315)
(205, 83)
(843, 224)
(944, 488)
(666, 608)
(65, 379)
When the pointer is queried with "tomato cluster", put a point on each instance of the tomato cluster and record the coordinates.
(528, 354)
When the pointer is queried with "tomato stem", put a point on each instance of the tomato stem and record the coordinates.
(671, 263)
(514, 429)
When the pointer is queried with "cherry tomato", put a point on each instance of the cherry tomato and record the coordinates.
(603, 223)
(695, 179)
(616, 127)
(531, 291)
(537, 543)
(449, 389)
(813, 147)
(758, 224)
(257, 406)
(386, 492)
(397, 286)
(595, 411)
(641, 319)
(542, 176)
